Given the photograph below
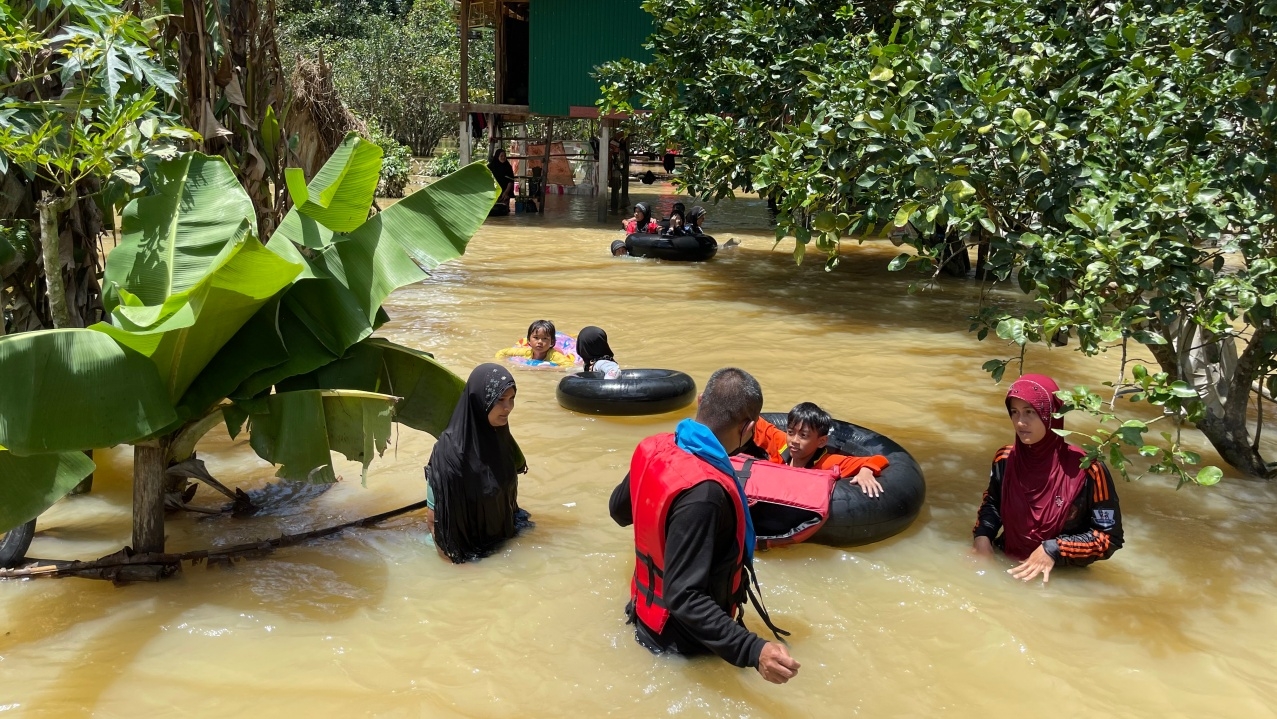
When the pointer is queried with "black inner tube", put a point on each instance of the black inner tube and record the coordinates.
(635, 392)
(683, 248)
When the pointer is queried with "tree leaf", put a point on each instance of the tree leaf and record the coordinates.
(427, 389)
(76, 389)
(1209, 476)
(171, 239)
(881, 73)
(30, 485)
(342, 191)
(299, 430)
(1021, 118)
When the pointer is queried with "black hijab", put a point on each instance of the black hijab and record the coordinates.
(647, 215)
(501, 170)
(473, 472)
(592, 345)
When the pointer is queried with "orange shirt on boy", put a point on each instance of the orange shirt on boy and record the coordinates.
(775, 442)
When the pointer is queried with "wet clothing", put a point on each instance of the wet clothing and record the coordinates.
(703, 554)
(473, 473)
(650, 228)
(773, 440)
(596, 353)
(692, 228)
(502, 171)
(610, 369)
(554, 356)
(1092, 528)
(647, 224)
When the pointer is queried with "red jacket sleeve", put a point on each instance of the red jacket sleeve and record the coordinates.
(771, 439)
(849, 466)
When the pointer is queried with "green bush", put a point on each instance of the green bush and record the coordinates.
(394, 162)
(448, 162)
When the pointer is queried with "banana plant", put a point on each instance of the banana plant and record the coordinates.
(208, 325)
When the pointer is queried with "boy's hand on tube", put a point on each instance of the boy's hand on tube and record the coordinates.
(867, 482)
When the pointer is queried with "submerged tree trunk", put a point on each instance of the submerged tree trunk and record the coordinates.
(51, 251)
(1225, 423)
(149, 465)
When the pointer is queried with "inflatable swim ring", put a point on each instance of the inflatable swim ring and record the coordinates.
(853, 517)
(685, 248)
(635, 392)
(564, 343)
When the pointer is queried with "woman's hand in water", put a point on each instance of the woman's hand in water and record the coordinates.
(1038, 563)
(867, 482)
(983, 546)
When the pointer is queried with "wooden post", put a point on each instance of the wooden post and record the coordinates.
(545, 164)
(463, 22)
(498, 52)
(149, 464)
(625, 171)
(604, 170)
(464, 140)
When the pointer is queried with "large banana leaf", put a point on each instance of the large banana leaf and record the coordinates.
(337, 297)
(339, 196)
(428, 391)
(257, 346)
(299, 430)
(170, 240)
(30, 485)
(75, 389)
(182, 335)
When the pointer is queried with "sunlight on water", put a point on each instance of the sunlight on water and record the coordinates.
(372, 622)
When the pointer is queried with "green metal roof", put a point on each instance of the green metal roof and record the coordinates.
(569, 38)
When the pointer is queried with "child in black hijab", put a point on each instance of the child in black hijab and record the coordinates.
(473, 471)
(695, 218)
(595, 352)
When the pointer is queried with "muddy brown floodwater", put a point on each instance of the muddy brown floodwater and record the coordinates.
(1180, 623)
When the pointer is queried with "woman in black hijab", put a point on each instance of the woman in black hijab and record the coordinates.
(595, 352)
(695, 217)
(503, 172)
(473, 471)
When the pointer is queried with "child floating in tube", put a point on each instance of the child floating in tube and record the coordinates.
(642, 221)
(803, 444)
(539, 347)
(596, 353)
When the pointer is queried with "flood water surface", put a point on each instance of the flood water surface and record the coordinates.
(372, 622)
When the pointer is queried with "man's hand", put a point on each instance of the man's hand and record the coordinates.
(775, 664)
(1038, 563)
(868, 483)
(982, 546)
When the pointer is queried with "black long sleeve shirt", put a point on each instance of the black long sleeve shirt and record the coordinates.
(1093, 530)
(700, 559)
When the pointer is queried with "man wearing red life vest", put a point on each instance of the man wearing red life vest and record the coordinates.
(693, 537)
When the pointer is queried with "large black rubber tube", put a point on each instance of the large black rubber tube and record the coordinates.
(636, 392)
(14, 544)
(685, 248)
(854, 517)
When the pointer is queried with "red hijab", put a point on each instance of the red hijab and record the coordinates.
(1041, 480)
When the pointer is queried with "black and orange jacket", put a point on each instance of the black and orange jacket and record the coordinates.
(1093, 530)
(775, 443)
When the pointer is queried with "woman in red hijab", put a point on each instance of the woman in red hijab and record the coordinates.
(1050, 509)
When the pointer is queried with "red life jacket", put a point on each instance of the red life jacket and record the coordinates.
(789, 504)
(659, 472)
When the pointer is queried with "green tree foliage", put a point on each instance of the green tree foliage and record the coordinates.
(80, 86)
(1119, 160)
(393, 62)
